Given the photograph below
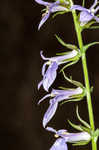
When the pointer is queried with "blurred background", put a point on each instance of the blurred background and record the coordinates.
(20, 72)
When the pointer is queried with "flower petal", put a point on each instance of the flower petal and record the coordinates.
(63, 92)
(62, 59)
(85, 16)
(59, 145)
(43, 57)
(75, 137)
(66, 94)
(44, 68)
(94, 4)
(78, 7)
(39, 85)
(51, 129)
(42, 2)
(46, 96)
(61, 133)
(50, 76)
(46, 16)
(96, 18)
(97, 8)
(58, 8)
(60, 98)
(50, 112)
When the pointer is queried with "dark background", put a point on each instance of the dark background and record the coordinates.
(20, 72)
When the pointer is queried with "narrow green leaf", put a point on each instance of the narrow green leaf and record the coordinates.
(80, 143)
(86, 129)
(94, 27)
(77, 127)
(63, 88)
(69, 46)
(78, 84)
(71, 100)
(89, 45)
(43, 10)
(60, 13)
(70, 64)
(63, 53)
(81, 120)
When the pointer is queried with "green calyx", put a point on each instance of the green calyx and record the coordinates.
(76, 97)
(72, 47)
(83, 127)
(69, 46)
(76, 83)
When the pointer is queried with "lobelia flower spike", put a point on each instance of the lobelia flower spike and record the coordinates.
(51, 8)
(64, 137)
(49, 75)
(58, 96)
(87, 15)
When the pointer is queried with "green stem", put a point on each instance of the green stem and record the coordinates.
(86, 78)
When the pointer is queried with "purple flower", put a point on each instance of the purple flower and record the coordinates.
(58, 96)
(64, 137)
(49, 75)
(50, 8)
(87, 15)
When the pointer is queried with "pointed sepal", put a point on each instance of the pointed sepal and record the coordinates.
(60, 13)
(81, 143)
(81, 120)
(94, 27)
(69, 46)
(76, 83)
(77, 127)
(69, 64)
